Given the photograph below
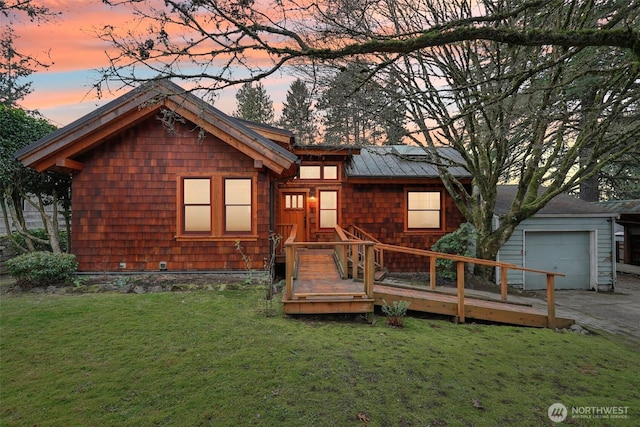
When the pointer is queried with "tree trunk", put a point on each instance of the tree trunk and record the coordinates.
(589, 191)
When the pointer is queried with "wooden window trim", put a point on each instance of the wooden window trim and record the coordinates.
(405, 207)
(218, 232)
(318, 210)
(225, 206)
(322, 166)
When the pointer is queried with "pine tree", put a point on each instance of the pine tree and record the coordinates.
(254, 104)
(361, 111)
(297, 114)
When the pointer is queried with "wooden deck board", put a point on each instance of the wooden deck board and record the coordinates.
(318, 275)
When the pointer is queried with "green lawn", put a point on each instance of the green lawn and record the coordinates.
(213, 358)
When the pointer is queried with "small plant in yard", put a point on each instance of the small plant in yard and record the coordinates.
(269, 267)
(247, 262)
(395, 312)
(42, 269)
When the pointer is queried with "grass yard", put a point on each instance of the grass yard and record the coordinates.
(212, 358)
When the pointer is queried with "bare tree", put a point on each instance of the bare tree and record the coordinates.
(513, 114)
(222, 43)
(495, 80)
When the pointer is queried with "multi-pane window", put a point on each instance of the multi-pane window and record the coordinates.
(215, 206)
(328, 172)
(423, 209)
(237, 205)
(328, 209)
(197, 205)
(294, 201)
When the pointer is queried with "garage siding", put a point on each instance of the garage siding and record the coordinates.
(599, 229)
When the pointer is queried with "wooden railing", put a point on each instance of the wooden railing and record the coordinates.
(341, 246)
(347, 246)
(460, 269)
(360, 234)
(283, 230)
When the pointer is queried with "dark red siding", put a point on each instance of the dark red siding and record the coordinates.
(125, 202)
(379, 209)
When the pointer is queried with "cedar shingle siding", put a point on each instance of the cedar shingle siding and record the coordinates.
(125, 201)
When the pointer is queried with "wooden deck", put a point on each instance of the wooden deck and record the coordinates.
(318, 288)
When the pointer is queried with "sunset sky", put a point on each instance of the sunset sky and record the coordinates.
(64, 92)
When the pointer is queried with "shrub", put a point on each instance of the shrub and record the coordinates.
(395, 313)
(42, 268)
(457, 243)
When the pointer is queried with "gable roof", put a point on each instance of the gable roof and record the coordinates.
(401, 161)
(57, 150)
(561, 205)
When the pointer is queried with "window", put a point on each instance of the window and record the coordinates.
(310, 172)
(328, 172)
(237, 205)
(423, 209)
(197, 205)
(328, 209)
(294, 201)
(216, 206)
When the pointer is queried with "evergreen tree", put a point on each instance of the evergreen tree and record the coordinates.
(359, 110)
(254, 104)
(297, 114)
(18, 129)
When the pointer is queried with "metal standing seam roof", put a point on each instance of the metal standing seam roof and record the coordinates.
(401, 161)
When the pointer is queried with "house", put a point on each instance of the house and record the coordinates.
(163, 180)
(629, 211)
(390, 192)
(568, 236)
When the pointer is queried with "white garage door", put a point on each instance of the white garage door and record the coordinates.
(564, 252)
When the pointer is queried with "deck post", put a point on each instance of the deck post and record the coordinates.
(551, 301)
(460, 267)
(369, 270)
(355, 260)
(290, 261)
(432, 272)
(503, 282)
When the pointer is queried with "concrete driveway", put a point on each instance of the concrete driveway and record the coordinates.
(615, 312)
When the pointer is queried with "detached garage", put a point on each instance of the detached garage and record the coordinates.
(568, 236)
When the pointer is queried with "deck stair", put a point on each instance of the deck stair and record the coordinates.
(358, 233)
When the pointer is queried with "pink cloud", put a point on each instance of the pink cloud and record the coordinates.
(68, 40)
(62, 92)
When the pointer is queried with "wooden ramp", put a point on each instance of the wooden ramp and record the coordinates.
(319, 289)
(474, 308)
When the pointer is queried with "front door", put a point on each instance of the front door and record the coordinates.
(293, 211)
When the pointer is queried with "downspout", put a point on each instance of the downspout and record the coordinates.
(273, 186)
